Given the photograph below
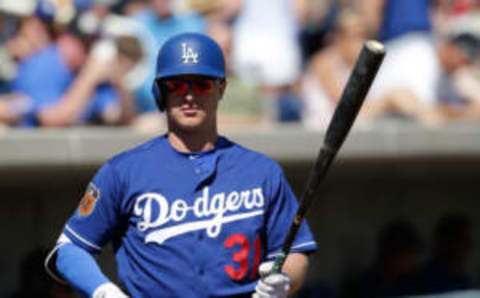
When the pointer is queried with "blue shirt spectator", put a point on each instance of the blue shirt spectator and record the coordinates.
(44, 78)
(404, 16)
(82, 5)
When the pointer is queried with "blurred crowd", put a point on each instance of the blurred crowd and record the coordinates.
(92, 62)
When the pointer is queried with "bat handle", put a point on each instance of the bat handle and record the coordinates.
(278, 263)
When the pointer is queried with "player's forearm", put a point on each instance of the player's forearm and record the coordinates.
(295, 267)
(79, 269)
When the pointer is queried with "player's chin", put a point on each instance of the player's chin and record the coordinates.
(191, 123)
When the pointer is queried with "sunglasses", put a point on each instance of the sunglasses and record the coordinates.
(180, 87)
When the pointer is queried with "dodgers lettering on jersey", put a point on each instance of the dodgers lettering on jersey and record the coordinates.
(188, 225)
(208, 211)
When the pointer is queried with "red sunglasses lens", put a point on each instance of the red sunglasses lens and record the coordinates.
(181, 87)
(176, 87)
(202, 87)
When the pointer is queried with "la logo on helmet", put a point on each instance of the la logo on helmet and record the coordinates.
(188, 54)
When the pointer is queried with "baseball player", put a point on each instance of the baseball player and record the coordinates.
(189, 213)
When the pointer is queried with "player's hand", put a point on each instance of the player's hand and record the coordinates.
(271, 285)
(108, 290)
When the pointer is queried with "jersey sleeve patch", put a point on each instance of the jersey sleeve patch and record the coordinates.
(89, 200)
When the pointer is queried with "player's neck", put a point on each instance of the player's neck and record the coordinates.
(192, 141)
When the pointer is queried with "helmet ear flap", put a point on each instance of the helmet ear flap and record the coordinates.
(157, 94)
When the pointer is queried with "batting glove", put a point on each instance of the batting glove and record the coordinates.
(108, 290)
(271, 285)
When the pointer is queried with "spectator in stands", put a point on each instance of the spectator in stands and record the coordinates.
(31, 30)
(25, 31)
(266, 52)
(10, 21)
(217, 11)
(133, 7)
(455, 89)
(82, 5)
(395, 265)
(82, 86)
(330, 68)
(107, 25)
(458, 88)
(392, 19)
(161, 21)
(452, 247)
(241, 102)
(320, 19)
(462, 14)
(405, 28)
(417, 94)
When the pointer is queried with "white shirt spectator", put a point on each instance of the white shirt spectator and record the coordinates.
(265, 48)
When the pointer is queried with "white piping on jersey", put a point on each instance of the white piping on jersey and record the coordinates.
(62, 240)
(303, 244)
(82, 239)
(274, 254)
(213, 227)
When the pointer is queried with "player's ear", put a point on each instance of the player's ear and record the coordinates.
(222, 84)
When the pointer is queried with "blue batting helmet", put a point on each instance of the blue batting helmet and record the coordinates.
(187, 54)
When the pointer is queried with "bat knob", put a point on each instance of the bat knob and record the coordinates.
(375, 46)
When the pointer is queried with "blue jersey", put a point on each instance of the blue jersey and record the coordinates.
(188, 225)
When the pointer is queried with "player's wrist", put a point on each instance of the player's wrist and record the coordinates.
(272, 285)
(108, 290)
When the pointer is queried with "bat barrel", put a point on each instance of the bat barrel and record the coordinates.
(353, 96)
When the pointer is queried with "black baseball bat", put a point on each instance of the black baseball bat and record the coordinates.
(353, 96)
